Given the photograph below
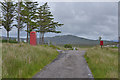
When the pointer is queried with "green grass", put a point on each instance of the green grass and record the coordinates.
(55, 47)
(10, 41)
(103, 62)
(85, 46)
(0, 61)
(114, 47)
(61, 48)
(24, 60)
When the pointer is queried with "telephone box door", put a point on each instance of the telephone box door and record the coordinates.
(33, 38)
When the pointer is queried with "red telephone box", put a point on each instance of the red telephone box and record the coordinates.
(101, 43)
(33, 38)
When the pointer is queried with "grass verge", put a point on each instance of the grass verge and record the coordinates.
(0, 61)
(24, 60)
(103, 62)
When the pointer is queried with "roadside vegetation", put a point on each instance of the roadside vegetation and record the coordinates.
(103, 62)
(24, 61)
(68, 46)
(10, 41)
(0, 60)
(84, 48)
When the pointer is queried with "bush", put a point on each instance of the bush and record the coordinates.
(45, 45)
(76, 48)
(54, 47)
(68, 46)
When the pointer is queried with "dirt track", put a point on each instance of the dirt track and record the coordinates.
(69, 64)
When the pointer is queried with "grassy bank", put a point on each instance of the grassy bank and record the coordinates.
(24, 61)
(0, 61)
(103, 62)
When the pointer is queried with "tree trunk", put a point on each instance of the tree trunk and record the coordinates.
(27, 33)
(43, 38)
(18, 21)
(40, 38)
(28, 37)
(7, 36)
(18, 35)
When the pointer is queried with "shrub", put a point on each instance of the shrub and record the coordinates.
(45, 45)
(76, 48)
(54, 47)
(68, 46)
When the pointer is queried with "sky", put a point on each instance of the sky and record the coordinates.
(84, 19)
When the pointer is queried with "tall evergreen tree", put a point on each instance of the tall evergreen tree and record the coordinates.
(29, 16)
(8, 15)
(19, 18)
(46, 22)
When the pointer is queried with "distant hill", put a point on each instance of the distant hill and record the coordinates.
(69, 39)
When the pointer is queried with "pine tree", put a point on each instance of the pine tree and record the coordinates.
(8, 16)
(19, 18)
(46, 22)
(29, 16)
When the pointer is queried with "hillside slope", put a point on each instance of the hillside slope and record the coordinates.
(70, 39)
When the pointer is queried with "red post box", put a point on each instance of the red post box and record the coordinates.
(33, 38)
(101, 42)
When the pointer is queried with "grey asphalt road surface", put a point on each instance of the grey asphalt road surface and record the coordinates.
(69, 64)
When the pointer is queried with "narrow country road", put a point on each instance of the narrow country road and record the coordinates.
(69, 64)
